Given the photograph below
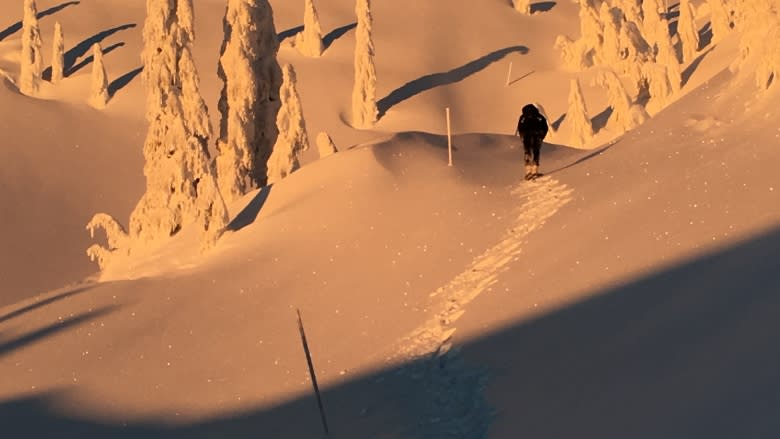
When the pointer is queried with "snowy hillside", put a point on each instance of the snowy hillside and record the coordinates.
(629, 292)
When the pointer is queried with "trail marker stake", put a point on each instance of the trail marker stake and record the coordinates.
(311, 371)
(509, 74)
(449, 137)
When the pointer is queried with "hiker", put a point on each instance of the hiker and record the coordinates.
(532, 126)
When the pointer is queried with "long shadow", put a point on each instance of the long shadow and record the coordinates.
(83, 47)
(522, 77)
(88, 60)
(41, 303)
(427, 82)
(283, 35)
(600, 120)
(16, 27)
(249, 213)
(542, 7)
(705, 35)
(596, 152)
(122, 81)
(557, 123)
(688, 72)
(8, 346)
(337, 33)
(690, 351)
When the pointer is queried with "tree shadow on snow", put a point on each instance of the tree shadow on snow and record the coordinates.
(337, 33)
(686, 351)
(43, 302)
(688, 72)
(705, 35)
(427, 82)
(283, 35)
(120, 82)
(600, 121)
(542, 7)
(16, 27)
(46, 75)
(249, 213)
(556, 125)
(85, 46)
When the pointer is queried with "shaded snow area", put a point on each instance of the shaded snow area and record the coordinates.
(630, 291)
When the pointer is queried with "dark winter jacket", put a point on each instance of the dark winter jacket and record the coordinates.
(532, 123)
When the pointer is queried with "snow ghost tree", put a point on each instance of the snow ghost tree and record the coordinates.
(667, 56)
(181, 187)
(659, 86)
(292, 140)
(98, 98)
(309, 42)
(759, 48)
(57, 55)
(632, 10)
(522, 6)
(364, 109)
(720, 21)
(577, 116)
(625, 114)
(686, 28)
(654, 25)
(634, 52)
(580, 54)
(325, 145)
(611, 18)
(249, 101)
(31, 63)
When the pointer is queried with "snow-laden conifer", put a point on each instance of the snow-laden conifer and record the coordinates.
(57, 54)
(720, 20)
(634, 52)
(659, 86)
(577, 116)
(249, 101)
(582, 53)
(364, 109)
(309, 41)
(181, 188)
(31, 63)
(625, 114)
(689, 34)
(325, 145)
(611, 19)
(654, 25)
(667, 56)
(522, 6)
(292, 140)
(98, 97)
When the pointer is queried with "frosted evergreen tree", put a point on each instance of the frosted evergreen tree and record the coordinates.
(57, 55)
(292, 140)
(580, 54)
(632, 10)
(611, 18)
(522, 6)
(249, 101)
(720, 21)
(31, 63)
(667, 56)
(577, 116)
(325, 145)
(181, 188)
(634, 52)
(98, 98)
(689, 34)
(309, 42)
(659, 86)
(625, 114)
(654, 25)
(364, 110)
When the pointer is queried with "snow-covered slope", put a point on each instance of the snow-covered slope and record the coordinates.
(437, 300)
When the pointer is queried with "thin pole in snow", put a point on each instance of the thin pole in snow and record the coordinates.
(509, 74)
(449, 137)
(311, 371)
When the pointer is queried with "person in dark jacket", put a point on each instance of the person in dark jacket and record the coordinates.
(532, 126)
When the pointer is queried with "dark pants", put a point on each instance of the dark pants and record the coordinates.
(532, 146)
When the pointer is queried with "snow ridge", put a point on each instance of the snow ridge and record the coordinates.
(457, 407)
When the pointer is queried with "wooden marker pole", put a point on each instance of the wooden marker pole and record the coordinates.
(509, 74)
(311, 371)
(449, 137)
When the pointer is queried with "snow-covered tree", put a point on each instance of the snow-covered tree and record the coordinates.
(667, 56)
(686, 28)
(364, 109)
(57, 55)
(634, 52)
(659, 86)
(522, 6)
(31, 63)
(181, 187)
(720, 20)
(632, 10)
(249, 101)
(577, 116)
(325, 145)
(654, 25)
(582, 53)
(625, 114)
(611, 19)
(98, 97)
(292, 140)
(309, 42)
